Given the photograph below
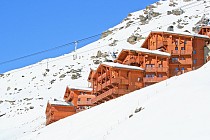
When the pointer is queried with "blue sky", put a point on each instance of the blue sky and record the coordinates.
(30, 26)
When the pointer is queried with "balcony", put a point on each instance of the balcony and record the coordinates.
(151, 69)
(84, 103)
(162, 69)
(177, 73)
(156, 69)
(133, 59)
(111, 83)
(181, 52)
(107, 95)
(153, 79)
(181, 62)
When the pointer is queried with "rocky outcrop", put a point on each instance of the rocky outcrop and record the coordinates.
(106, 33)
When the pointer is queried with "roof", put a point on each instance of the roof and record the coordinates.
(80, 88)
(175, 33)
(117, 65)
(181, 33)
(59, 102)
(157, 52)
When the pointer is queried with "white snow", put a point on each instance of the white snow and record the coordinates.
(59, 102)
(157, 52)
(117, 65)
(174, 109)
(177, 108)
(80, 88)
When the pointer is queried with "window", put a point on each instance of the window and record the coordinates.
(176, 69)
(194, 51)
(176, 48)
(174, 59)
(78, 99)
(182, 68)
(182, 58)
(160, 65)
(139, 79)
(182, 48)
(194, 61)
(150, 75)
(176, 42)
(160, 75)
(88, 99)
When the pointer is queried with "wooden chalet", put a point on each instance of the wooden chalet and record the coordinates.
(187, 50)
(205, 30)
(79, 96)
(112, 80)
(154, 62)
(90, 76)
(57, 110)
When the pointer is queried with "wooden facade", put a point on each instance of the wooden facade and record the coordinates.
(155, 63)
(205, 30)
(162, 55)
(112, 80)
(57, 110)
(80, 97)
(187, 51)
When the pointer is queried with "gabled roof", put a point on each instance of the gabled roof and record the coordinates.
(117, 65)
(88, 89)
(175, 33)
(147, 51)
(60, 103)
(208, 27)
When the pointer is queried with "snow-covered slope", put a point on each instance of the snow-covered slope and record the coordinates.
(176, 109)
(24, 92)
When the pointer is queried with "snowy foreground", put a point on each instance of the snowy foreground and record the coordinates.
(175, 109)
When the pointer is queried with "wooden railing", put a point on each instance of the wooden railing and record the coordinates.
(156, 69)
(132, 59)
(185, 62)
(153, 79)
(88, 103)
(181, 52)
(114, 91)
(110, 82)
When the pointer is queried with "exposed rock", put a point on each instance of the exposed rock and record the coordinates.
(31, 107)
(150, 7)
(114, 43)
(142, 18)
(128, 24)
(155, 14)
(132, 39)
(75, 76)
(1, 75)
(96, 61)
(173, 4)
(106, 33)
(52, 81)
(62, 76)
(169, 12)
(177, 12)
(8, 88)
(99, 53)
(158, 3)
(180, 26)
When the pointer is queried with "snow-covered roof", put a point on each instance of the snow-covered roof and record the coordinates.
(117, 65)
(59, 102)
(144, 50)
(181, 33)
(80, 88)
